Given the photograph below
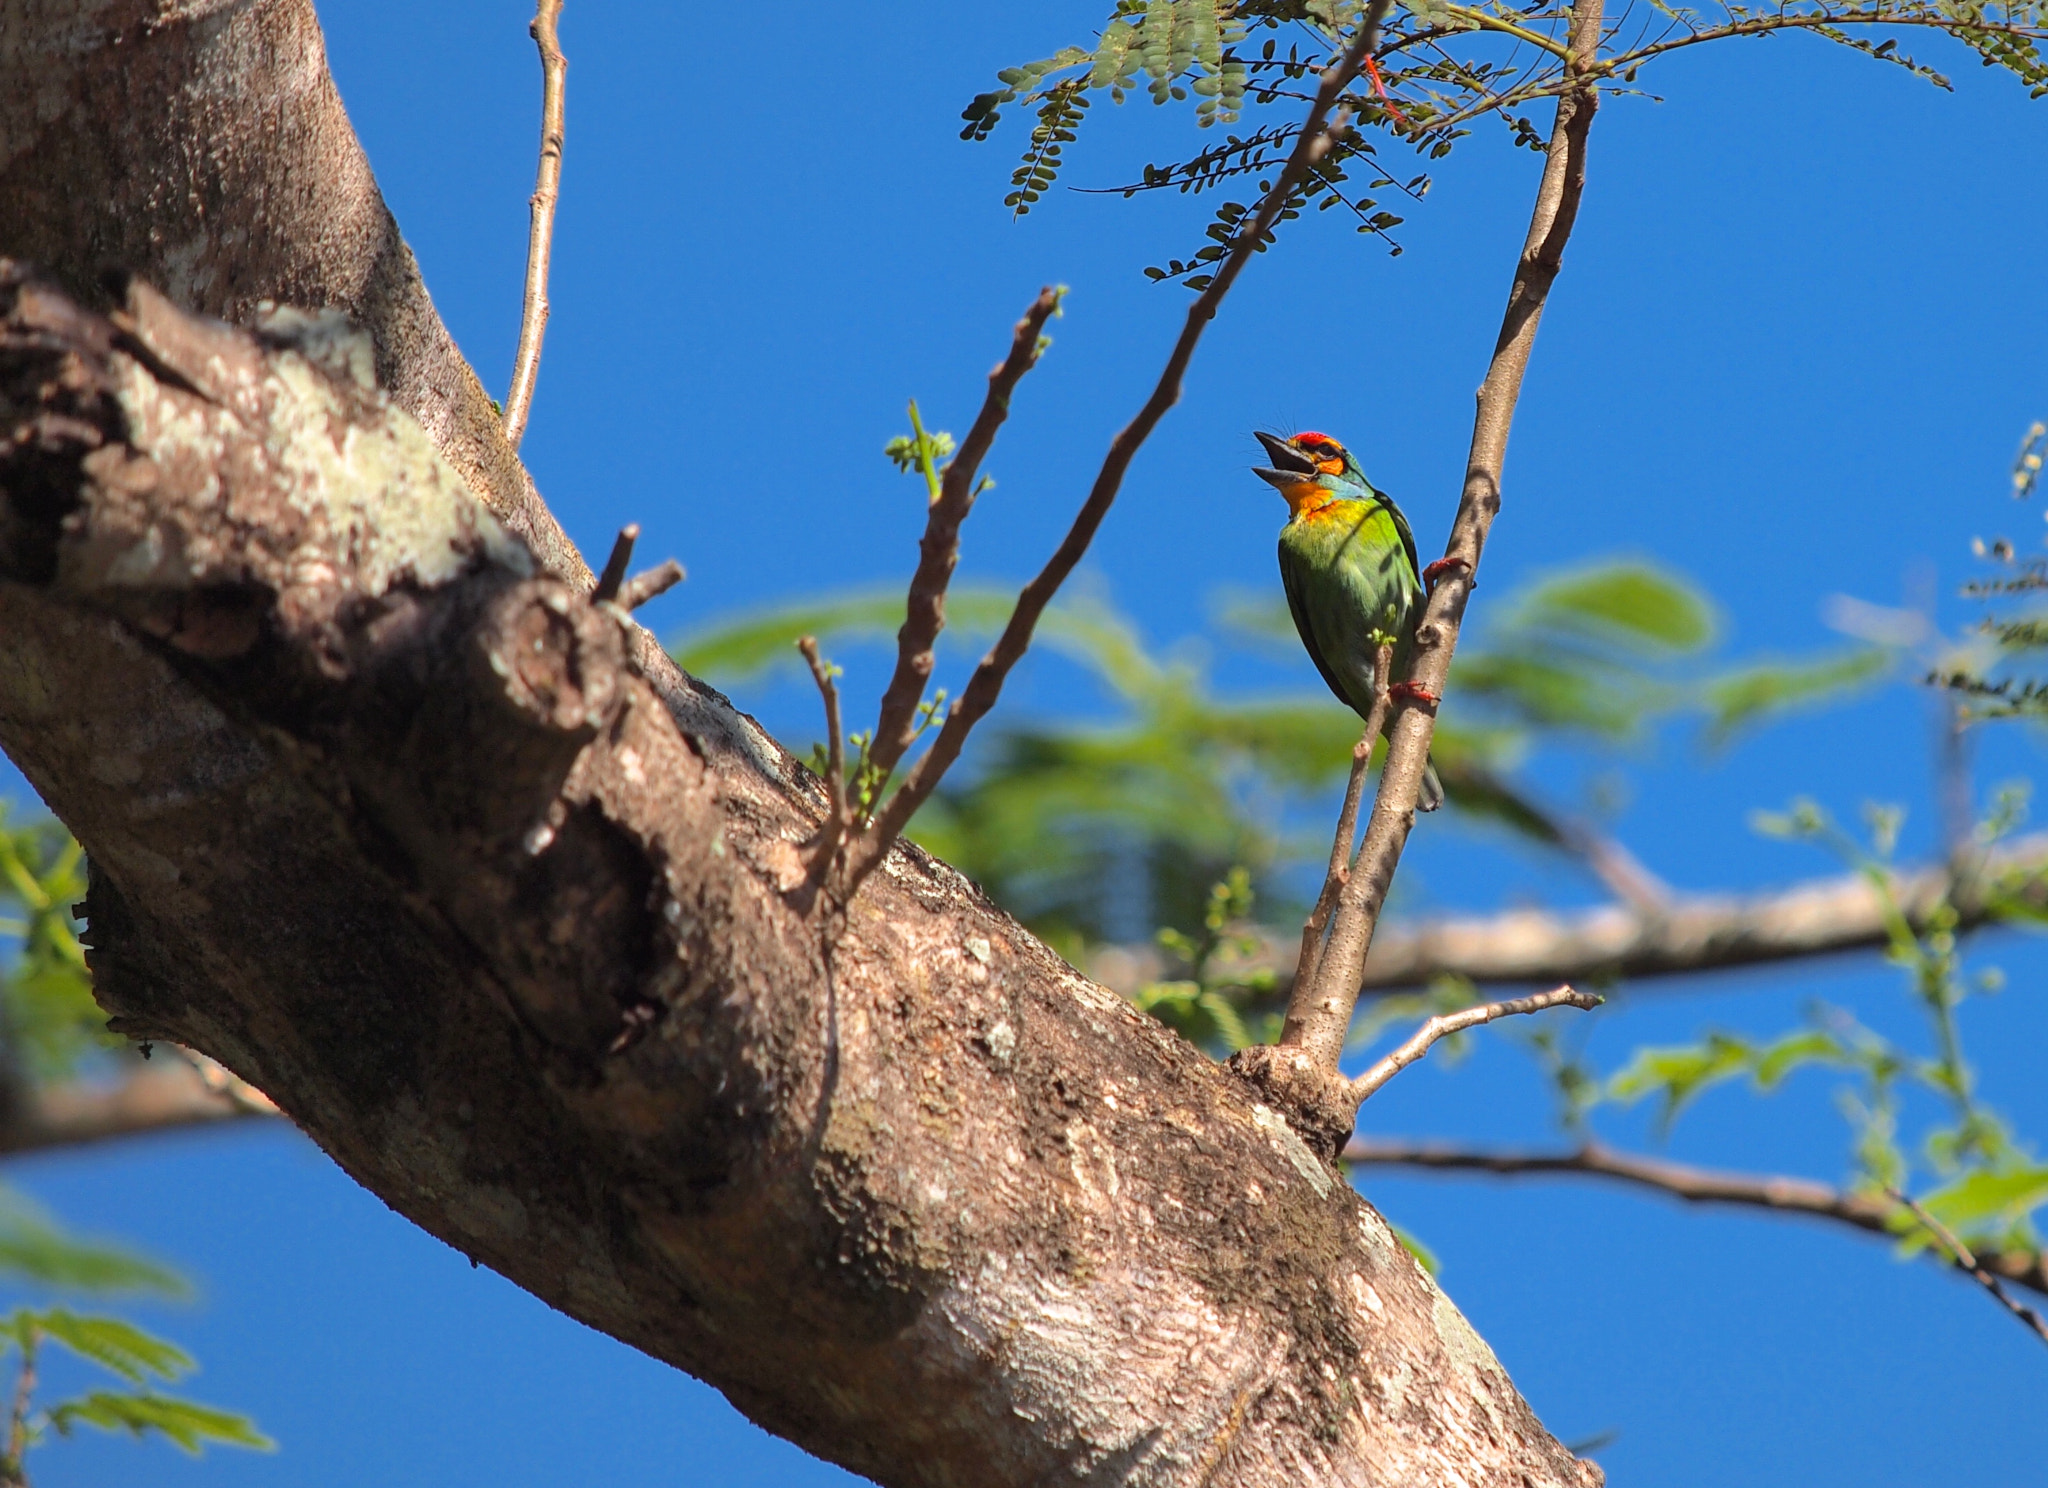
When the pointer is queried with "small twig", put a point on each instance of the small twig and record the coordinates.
(938, 551)
(1325, 121)
(614, 573)
(540, 235)
(1873, 15)
(1967, 1262)
(1606, 858)
(839, 816)
(1319, 1037)
(229, 1086)
(1621, 870)
(1367, 1084)
(613, 587)
(657, 581)
(1347, 830)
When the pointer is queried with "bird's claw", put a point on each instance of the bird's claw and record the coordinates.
(1413, 692)
(1442, 566)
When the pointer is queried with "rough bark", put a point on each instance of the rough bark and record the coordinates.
(394, 828)
(201, 145)
(385, 815)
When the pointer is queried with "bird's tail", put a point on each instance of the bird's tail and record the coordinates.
(1432, 789)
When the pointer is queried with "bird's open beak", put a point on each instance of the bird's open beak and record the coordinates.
(1290, 466)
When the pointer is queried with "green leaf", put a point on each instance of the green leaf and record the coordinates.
(115, 1345)
(1812, 1046)
(34, 1250)
(1747, 695)
(1678, 1074)
(1981, 1199)
(734, 651)
(185, 1422)
(1629, 603)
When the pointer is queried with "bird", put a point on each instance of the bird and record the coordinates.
(1348, 564)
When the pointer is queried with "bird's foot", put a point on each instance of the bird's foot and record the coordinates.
(1442, 566)
(1413, 692)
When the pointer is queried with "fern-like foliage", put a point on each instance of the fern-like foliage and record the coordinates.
(1441, 69)
(1997, 672)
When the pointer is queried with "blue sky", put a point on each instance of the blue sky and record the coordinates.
(1798, 335)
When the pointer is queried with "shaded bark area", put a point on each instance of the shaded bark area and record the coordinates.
(389, 818)
(402, 837)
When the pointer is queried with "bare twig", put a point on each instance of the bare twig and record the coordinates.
(614, 573)
(1319, 1034)
(1347, 830)
(839, 815)
(540, 235)
(1614, 865)
(1770, 21)
(613, 587)
(1417, 1044)
(938, 551)
(657, 581)
(1968, 1263)
(225, 1083)
(1324, 121)
(1605, 857)
(1775, 1193)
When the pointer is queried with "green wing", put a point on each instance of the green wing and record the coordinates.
(1297, 605)
(1407, 537)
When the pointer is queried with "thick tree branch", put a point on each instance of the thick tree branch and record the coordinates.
(1690, 934)
(540, 237)
(1768, 1191)
(422, 855)
(207, 151)
(1325, 120)
(166, 1094)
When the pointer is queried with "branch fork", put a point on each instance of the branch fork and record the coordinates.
(614, 588)
(858, 848)
(1303, 1068)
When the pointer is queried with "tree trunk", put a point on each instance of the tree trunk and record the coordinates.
(389, 818)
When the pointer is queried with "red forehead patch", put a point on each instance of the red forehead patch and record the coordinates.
(1309, 436)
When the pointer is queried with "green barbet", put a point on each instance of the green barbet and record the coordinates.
(1347, 560)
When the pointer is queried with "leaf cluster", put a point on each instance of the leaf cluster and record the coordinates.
(1221, 974)
(48, 1020)
(1986, 1185)
(1086, 830)
(36, 1252)
(1441, 68)
(1609, 649)
(142, 1362)
(50, 1025)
